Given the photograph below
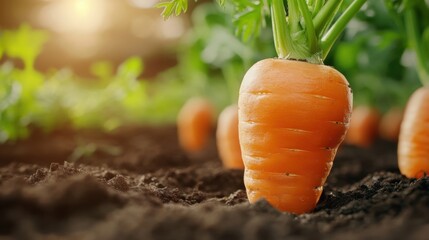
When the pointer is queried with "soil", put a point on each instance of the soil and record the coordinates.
(136, 183)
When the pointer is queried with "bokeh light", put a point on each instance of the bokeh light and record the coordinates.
(75, 16)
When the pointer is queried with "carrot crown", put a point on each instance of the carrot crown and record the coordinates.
(303, 29)
(308, 29)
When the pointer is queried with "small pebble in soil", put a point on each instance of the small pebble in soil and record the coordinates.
(54, 167)
(159, 185)
(236, 197)
(146, 180)
(108, 175)
(119, 183)
(68, 164)
(38, 176)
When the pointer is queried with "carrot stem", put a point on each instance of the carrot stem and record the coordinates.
(318, 4)
(337, 28)
(280, 28)
(293, 16)
(324, 14)
(309, 27)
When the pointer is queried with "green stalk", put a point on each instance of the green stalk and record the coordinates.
(325, 13)
(280, 28)
(309, 27)
(293, 17)
(330, 19)
(414, 39)
(318, 4)
(337, 28)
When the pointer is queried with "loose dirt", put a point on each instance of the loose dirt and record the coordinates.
(136, 183)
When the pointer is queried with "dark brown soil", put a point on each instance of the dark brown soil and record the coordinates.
(136, 183)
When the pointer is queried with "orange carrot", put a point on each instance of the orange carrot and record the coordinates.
(390, 124)
(363, 126)
(194, 124)
(292, 117)
(227, 138)
(413, 147)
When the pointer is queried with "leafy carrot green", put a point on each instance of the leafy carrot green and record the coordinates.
(305, 30)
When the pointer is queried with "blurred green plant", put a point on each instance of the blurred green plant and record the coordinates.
(108, 102)
(249, 17)
(372, 54)
(29, 98)
(413, 19)
(212, 60)
(18, 87)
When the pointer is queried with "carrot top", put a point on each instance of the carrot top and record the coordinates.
(413, 16)
(303, 29)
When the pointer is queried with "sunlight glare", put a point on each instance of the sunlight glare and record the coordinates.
(75, 16)
(82, 7)
(143, 3)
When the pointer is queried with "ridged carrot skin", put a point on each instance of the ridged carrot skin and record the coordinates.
(363, 126)
(390, 124)
(194, 124)
(292, 118)
(413, 146)
(227, 138)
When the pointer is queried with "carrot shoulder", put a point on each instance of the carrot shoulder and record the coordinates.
(194, 124)
(292, 118)
(413, 147)
(227, 138)
(363, 126)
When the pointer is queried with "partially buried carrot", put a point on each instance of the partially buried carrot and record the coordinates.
(363, 126)
(293, 116)
(413, 144)
(227, 138)
(194, 124)
(390, 124)
(413, 147)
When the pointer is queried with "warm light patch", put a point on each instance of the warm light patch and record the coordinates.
(143, 3)
(75, 16)
(82, 7)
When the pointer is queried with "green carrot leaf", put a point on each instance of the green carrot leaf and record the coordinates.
(173, 6)
(221, 2)
(249, 17)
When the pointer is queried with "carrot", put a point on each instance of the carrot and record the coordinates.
(227, 138)
(293, 112)
(194, 124)
(390, 124)
(413, 147)
(413, 144)
(363, 126)
(293, 116)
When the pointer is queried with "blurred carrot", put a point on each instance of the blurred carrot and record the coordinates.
(194, 124)
(413, 144)
(227, 138)
(413, 147)
(363, 126)
(292, 118)
(390, 124)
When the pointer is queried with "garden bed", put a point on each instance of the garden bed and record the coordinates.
(136, 183)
